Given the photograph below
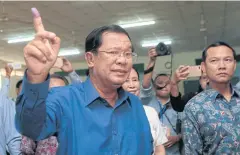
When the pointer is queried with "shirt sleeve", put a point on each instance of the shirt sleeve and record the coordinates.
(13, 137)
(147, 95)
(74, 77)
(146, 92)
(190, 132)
(38, 112)
(5, 88)
(160, 131)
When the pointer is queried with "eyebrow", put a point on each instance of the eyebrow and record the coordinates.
(119, 48)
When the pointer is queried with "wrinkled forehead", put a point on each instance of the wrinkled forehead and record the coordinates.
(219, 51)
(116, 40)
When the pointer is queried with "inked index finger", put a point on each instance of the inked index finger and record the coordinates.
(37, 21)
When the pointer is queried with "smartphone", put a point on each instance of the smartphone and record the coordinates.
(58, 63)
(195, 71)
(15, 65)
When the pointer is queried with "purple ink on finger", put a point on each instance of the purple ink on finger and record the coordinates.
(35, 12)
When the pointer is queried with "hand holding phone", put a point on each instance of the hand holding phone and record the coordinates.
(195, 71)
(59, 63)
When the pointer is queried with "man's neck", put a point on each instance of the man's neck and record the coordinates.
(223, 88)
(163, 100)
(109, 94)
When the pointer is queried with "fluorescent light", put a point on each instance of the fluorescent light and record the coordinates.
(67, 52)
(154, 43)
(20, 39)
(137, 24)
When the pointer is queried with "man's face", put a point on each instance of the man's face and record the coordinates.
(132, 83)
(162, 81)
(56, 82)
(219, 65)
(111, 69)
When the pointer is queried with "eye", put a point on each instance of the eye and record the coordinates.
(135, 79)
(213, 61)
(113, 53)
(128, 54)
(229, 60)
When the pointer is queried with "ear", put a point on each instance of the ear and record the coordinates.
(203, 67)
(235, 65)
(89, 57)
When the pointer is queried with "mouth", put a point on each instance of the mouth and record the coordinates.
(222, 74)
(120, 71)
(133, 91)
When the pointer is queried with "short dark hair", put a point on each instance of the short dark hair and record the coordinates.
(87, 72)
(158, 75)
(94, 39)
(136, 71)
(60, 77)
(216, 44)
(19, 83)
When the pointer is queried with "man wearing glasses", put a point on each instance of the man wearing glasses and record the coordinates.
(93, 117)
(157, 95)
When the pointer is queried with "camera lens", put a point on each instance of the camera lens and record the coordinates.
(162, 49)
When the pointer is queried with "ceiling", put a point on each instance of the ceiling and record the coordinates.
(177, 21)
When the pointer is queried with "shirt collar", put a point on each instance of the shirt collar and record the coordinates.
(216, 94)
(167, 103)
(91, 94)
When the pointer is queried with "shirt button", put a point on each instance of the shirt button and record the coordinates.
(114, 132)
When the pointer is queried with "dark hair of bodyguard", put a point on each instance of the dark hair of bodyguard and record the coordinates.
(94, 39)
(216, 44)
(19, 84)
(60, 77)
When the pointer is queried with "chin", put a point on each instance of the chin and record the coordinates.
(119, 80)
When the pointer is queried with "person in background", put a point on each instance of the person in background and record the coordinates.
(178, 102)
(10, 139)
(132, 85)
(67, 68)
(157, 96)
(6, 83)
(212, 118)
(19, 87)
(93, 117)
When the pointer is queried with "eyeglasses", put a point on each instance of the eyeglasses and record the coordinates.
(162, 85)
(116, 54)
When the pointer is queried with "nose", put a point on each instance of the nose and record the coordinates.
(131, 85)
(121, 59)
(222, 65)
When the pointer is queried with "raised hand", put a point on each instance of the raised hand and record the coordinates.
(180, 74)
(41, 53)
(152, 54)
(67, 66)
(8, 70)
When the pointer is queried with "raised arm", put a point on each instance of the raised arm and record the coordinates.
(12, 136)
(147, 78)
(5, 87)
(180, 74)
(37, 116)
